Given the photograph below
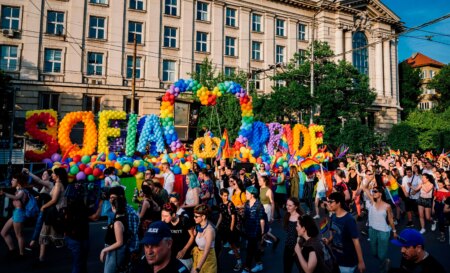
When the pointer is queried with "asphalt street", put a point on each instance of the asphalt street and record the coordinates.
(59, 260)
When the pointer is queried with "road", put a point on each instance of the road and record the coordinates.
(59, 260)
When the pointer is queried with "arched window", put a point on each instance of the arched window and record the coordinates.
(360, 56)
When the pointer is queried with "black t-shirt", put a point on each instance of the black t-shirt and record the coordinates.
(174, 266)
(305, 252)
(180, 236)
(227, 210)
(427, 265)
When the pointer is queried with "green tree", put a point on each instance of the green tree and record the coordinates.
(410, 91)
(227, 110)
(359, 137)
(404, 137)
(441, 82)
(340, 92)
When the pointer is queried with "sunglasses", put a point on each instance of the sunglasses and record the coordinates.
(375, 191)
(331, 201)
(197, 216)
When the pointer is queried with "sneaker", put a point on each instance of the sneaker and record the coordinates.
(433, 226)
(257, 268)
(422, 231)
(237, 267)
(316, 216)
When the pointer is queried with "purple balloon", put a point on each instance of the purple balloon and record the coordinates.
(48, 162)
(56, 157)
(81, 176)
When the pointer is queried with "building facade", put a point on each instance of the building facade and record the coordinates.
(77, 55)
(428, 69)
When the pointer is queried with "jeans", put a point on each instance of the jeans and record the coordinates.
(38, 227)
(80, 250)
(253, 250)
(289, 258)
(114, 259)
(345, 269)
(439, 215)
(379, 243)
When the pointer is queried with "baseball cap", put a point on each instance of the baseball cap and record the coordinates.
(252, 190)
(408, 237)
(156, 232)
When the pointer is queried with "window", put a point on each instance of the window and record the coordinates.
(170, 7)
(127, 105)
(95, 64)
(130, 67)
(198, 68)
(168, 71)
(137, 4)
(135, 28)
(279, 56)
(431, 74)
(55, 22)
(422, 74)
(49, 101)
(10, 17)
(302, 32)
(256, 23)
(280, 27)
(9, 59)
(170, 37)
(92, 103)
(301, 56)
(256, 80)
(230, 19)
(202, 11)
(97, 27)
(360, 56)
(102, 2)
(229, 71)
(280, 83)
(230, 46)
(52, 60)
(256, 50)
(202, 42)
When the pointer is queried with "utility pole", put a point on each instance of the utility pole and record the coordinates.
(312, 65)
(133, 77)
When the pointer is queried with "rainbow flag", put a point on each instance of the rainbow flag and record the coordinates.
(394, 153)
(283, 145)
(429, 155)
(310, 165)
(224, 147)
(392, 188)
(324, 225)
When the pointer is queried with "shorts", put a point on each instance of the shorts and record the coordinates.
(18, 215)
(321, 195)
(425, 202)
(410, 204)
(268, 210)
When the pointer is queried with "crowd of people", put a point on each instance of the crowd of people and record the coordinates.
(229, 207)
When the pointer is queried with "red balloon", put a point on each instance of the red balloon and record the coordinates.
(88, 171)
(133, 171)
(97, 172)
(77, 158)
(82, 167)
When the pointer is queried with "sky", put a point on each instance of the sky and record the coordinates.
(416, 12)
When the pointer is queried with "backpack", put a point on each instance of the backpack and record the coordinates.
(31, 207)
(326, 261)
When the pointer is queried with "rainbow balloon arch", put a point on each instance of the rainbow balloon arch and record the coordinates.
(148, 138)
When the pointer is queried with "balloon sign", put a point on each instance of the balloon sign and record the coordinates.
(89, 134)
(105, 131)
(46, 135)
(151, 134)
(208, 144)
(274, 139)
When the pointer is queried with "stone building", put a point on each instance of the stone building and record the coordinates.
(77, 55)
(428, 69)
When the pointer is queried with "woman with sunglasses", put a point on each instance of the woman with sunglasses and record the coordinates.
(204, 254)
(379, 228)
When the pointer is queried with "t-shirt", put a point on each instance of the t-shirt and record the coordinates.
(305, 252)
(427, 265)
(344, 231)
(169, 181)
(174, 266)
(180, 236)
(415, 182)
(227, 210)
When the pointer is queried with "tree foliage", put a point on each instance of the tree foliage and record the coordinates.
(404, 137)
(227, 110)
(410, 90)
(441, 82)
(359, 137)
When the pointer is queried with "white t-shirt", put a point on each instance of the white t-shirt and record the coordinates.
(415, 181)
(169, 181)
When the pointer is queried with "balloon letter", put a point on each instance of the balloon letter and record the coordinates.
(316, 133)
(300, 129)
(130, 147)
(104, 131)
(151, 134)
(259, 137)
(274, 139)
(89, 135)
(46, 135)
(208, 142)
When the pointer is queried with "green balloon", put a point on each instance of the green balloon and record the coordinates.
(74, 170)
(91, 177)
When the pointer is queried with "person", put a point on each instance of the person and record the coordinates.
(411, 189)
(160, 194)
(295, 180)
(238, 198)
(226, 226)
(266, 198)
(18, 182)
(414, 256)
(293, 211)
(52, 229)
(174, 198)
(425, 201)
(149, 174)
(439, 197)
(244, 178)
(207, 188)
(193, 193)
(114, 253)
(44, 196)
(255, 229)
(204, 253)
(150, 211)
(280, 192)
(354, 181)
(308, 191)
(182, 233)
(344, 236)
(321, 192)
(379, 228)
(169, 177)
(111, 179)
(158, 244)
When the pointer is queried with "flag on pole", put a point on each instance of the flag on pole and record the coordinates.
(224, 147)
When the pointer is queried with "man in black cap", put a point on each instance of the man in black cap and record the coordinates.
(157, 243)
(414, 256)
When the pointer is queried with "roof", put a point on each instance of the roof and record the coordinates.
(420, 60)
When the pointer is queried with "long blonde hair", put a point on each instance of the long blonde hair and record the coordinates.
(293, 172)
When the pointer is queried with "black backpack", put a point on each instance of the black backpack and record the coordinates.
(326, 261)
